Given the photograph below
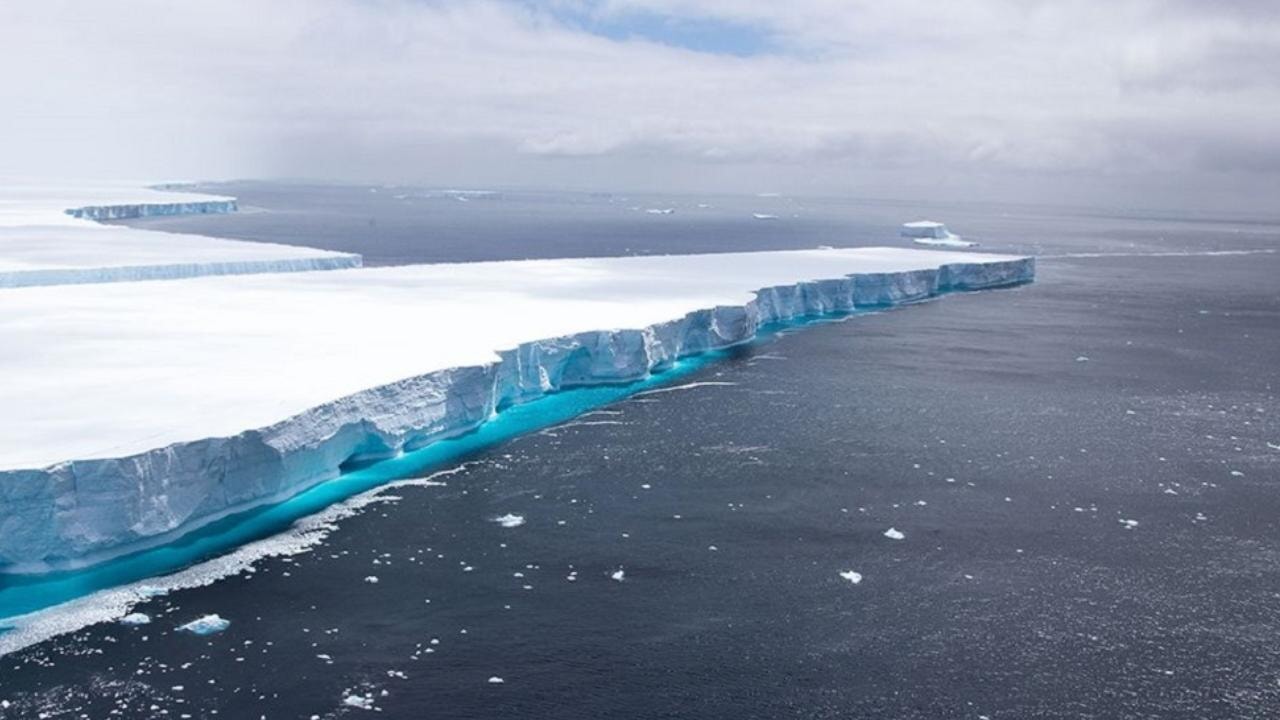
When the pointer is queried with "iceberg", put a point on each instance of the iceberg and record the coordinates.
(50, 236)
(928, 232)
(207, 625)
(180, 403)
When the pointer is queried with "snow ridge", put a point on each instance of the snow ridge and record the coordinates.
(84, 511)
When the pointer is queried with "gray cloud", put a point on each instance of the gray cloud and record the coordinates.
(1001, 96)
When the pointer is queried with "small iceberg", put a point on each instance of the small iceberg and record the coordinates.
(207, 625)
(136, 619)
(661, 211)
(928, 232)
(510, 520)
(894, 534)
(851, 576)
(364, 702)
(764, 216)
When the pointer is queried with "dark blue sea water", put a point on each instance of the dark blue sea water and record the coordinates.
(1086, 473)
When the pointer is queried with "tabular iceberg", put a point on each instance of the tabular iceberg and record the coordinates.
(51, 237)
(928, 232)
(123, 455)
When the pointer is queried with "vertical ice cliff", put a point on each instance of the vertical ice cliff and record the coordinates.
(148, 209)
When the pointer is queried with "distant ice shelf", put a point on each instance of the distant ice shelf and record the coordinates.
(49, 236)
(137, 411)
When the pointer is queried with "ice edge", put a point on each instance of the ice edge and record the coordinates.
(168, 271)
(80, 512)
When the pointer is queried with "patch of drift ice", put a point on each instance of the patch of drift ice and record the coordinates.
(52, 516)
(851, 576)
(116, 603)
(894, 534)
(685, 386)
(363, 702)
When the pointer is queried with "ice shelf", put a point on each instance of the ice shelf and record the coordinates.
(136, 410)
(48, 237)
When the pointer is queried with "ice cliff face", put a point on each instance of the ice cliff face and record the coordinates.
(137, 210)
(175, 270)
(83, 511)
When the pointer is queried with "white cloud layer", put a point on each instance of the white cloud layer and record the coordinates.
(1140, 101)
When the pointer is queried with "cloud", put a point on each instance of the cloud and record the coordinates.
(822, 94)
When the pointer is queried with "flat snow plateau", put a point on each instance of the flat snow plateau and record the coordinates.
(98, 371)
(49, 237)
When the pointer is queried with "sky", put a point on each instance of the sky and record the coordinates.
(1144, 103)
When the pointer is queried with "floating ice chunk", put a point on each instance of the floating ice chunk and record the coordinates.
(1273, 446)
(510, 520)
(207, 625)
(1236, 473)
(495, 680)
(371, 579)
(894, 534)
(851, 576)
(1082, 358)
(364, 702)
(136, 619)
(661, 211)
(618, 575)
(764, 216)
(1129, 524)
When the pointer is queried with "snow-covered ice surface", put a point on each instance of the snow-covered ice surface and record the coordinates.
(49, 237)
(138, 409)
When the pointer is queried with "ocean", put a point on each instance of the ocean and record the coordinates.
(1082, 476)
